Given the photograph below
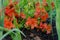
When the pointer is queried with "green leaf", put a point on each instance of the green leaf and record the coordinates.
(1, 14)
(22, 23)
(17, 36)
(5, 2)
(10, 31)
(31, 12)
(1, 34)
(17, 8)
(15, 23)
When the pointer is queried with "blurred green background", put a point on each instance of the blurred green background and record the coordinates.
(57, 4)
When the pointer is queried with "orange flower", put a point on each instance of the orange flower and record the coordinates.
(11, 19)
(38, 10)
(10, 1)
(43, 10)
(52, 4)
(31, 22)
(43, 15)
(41, 25)
(49, 29)
(15, 2)
(44, 26)
(37, 13)
(37, 7)
(37, 4)
(22, 15)
(9, 10)
(45, 3)
(16, 15)
(8, 24)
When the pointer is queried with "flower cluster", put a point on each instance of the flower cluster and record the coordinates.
(43, 15)
(40, 16)
(9, 13)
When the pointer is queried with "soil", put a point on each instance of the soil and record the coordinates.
(34, 35)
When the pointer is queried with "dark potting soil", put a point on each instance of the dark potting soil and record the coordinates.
(39, 35)
(8, 37)
(35, 35)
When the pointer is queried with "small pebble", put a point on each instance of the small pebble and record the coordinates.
(31, 35)
(37, 38)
